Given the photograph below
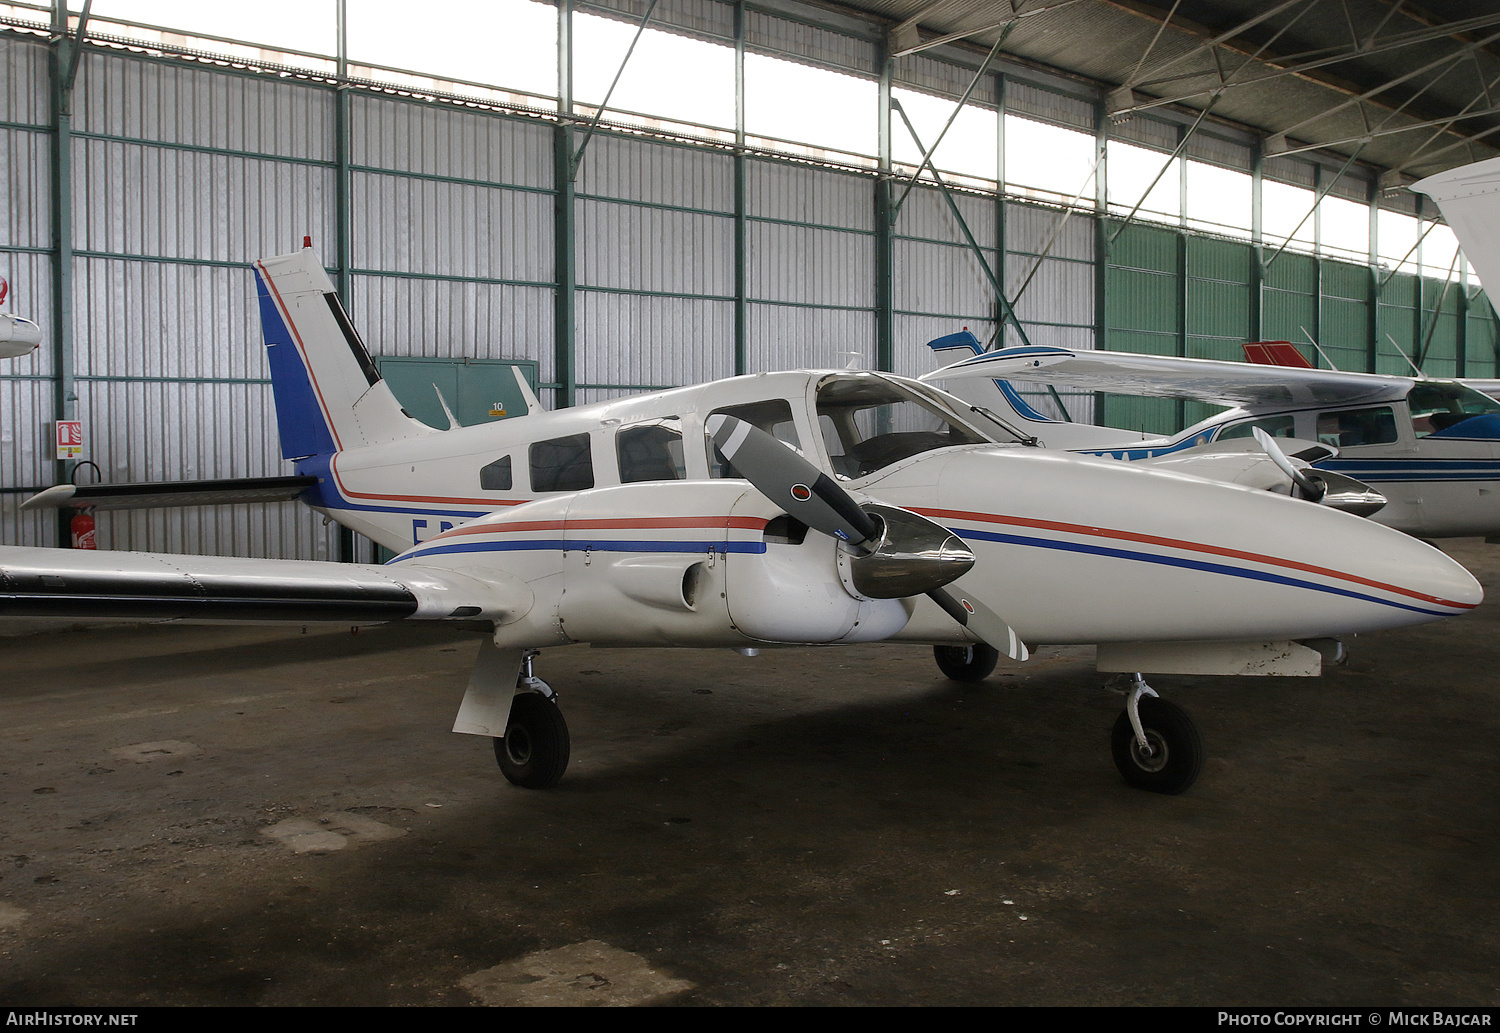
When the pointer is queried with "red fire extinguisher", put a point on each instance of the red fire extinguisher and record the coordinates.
(82, 528)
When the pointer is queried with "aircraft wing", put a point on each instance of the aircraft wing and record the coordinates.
(161, 494)
(1166, 376)
(140, 586)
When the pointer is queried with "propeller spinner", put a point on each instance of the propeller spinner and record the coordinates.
(895, 552)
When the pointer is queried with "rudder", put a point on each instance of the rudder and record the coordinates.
(329, 396)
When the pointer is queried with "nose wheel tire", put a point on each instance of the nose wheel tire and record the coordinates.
(966, 663)
(533, 752)
(1174, 754)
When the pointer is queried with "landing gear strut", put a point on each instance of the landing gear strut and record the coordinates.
(533, 752)
(1155, 744)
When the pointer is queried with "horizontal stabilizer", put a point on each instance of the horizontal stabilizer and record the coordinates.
(163, 494)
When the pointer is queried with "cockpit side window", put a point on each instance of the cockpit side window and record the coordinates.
(774, 416)
(1352, 427)
(651, 451)
(1276, 426)
(1436, 407)
(869, 422)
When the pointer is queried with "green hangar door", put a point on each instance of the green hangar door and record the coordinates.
(476, 390)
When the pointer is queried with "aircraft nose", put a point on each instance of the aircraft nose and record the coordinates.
(1446, 579)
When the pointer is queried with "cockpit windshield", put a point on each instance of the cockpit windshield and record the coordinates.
(870, 421)
(1436, 406)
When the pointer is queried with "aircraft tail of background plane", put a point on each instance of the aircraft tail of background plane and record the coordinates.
(1469, 198)
(329, 395)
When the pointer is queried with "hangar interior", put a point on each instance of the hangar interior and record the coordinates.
(1108, 174)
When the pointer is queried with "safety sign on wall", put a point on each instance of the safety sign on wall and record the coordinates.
(69, 439)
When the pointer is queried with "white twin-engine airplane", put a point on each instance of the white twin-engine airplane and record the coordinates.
(1431, 447)
(766, 510)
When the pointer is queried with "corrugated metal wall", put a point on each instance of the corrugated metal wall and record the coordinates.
(183, 173)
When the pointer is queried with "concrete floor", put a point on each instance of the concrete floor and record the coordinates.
(263, 816)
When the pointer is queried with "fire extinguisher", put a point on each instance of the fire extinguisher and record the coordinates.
(82, 528)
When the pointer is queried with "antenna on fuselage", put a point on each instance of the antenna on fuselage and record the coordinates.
(453, 424)
(533, 405)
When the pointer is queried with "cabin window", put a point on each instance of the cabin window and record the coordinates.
(495, 476)
(1436, 407)
(1351, 427)
(562, 464)
(1276, 426)
(651, 452)
(774, 416)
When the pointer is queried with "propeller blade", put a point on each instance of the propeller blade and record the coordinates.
(791, 482)
(1313, 488)
(981, 621)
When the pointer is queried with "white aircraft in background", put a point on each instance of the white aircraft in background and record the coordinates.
(808, 507)
(1430, 446)
(17, 336)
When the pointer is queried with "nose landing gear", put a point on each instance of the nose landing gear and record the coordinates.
(1155, 744)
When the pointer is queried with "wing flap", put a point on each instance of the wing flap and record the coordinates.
(162, 494)
(141, 586)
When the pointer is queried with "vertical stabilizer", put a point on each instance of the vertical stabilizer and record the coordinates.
(329, 395)
(1469, 197)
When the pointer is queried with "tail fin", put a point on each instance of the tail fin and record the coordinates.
(329, 395)
(1469, 197)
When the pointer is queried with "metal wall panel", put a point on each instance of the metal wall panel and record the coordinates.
(136, 199)
(934, 75)
(629, 339)
(808, 266)
(438, 318)
(25, 170)
(193, 105)
(24, 92)
(631, 247)
(800, 193)
(783, 337)
(433, 140)
(925, 214)
(633, 169)
(166, 319)
(941, 279)
(1028, 228)
(440, 228)
(781, 37)
(1048, 105)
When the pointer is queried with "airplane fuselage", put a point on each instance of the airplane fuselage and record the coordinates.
(625, 529)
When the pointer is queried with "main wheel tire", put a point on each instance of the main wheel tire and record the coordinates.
(1176, 755)
(966, 663)
(533, 752)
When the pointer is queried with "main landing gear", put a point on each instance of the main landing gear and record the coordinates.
(533, 752)
(966, 663)
(1155, 744)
